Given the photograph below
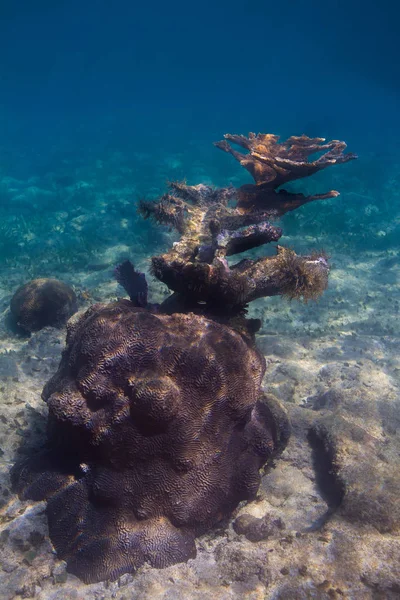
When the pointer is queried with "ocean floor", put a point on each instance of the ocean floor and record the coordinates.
(326, 522)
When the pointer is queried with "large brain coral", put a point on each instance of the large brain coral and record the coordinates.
(157, 430)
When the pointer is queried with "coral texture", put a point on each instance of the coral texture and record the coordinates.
(158, 426)
(157, 430)
(43, 302)
(217, 223)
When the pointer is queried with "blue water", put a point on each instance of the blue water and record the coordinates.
(124, 97)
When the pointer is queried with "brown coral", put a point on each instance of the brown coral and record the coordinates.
(273, 163)
(157, 430)
(43, 302)
(217, 223)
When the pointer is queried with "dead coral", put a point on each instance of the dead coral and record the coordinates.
(273, 164)
(217, 223)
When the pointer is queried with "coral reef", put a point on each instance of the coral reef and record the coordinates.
(43, 302)
(158, 426)
(157, 430)
(217, 223)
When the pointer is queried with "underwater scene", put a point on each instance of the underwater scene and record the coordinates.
(199, 300)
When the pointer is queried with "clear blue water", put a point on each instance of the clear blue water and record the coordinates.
(124, 97)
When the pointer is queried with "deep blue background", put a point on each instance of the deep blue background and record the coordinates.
(136, 75)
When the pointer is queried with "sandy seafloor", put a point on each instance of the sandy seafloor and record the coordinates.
(335, 362)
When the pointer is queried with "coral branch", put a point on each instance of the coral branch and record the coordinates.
(217, 223)
(260, 197)
(207, 224)
(169, 210)
(245, 239)
(287, 274)
(273, 164)
(277, 163)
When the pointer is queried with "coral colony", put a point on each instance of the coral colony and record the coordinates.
(42, 302)
(158, 425)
